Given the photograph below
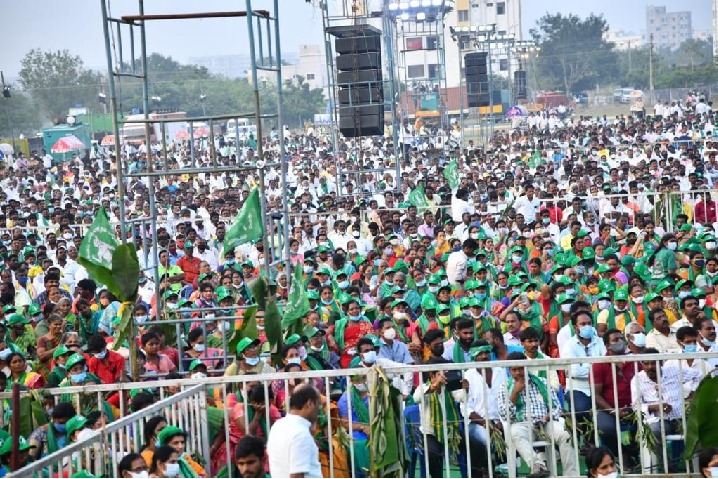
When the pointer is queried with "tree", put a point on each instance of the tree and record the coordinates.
(300, 102)
(18, 115)
(58, 81)
(573, 52)
(693, 53)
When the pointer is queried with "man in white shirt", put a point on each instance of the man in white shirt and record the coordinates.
(461, 205)
(290, 445)
(458, 260)
(527, 205)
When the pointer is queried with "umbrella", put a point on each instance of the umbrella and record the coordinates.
(517, 110)
(7, 149)
(182, 135)
(201, 131)
(108, 140)
(68, 143)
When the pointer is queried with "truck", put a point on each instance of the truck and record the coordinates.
(134, 132)
(239, 127)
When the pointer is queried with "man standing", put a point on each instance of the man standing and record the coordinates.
(290, 446)
(457, 262)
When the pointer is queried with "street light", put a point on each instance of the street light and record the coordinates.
(202, 99)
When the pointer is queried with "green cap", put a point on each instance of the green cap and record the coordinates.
(169, 293)
(683, 282)
(664, 284)
(244, 343)
(83, 474)
(375, 340)
(313, 294)
(17, 319)
(606, 285)
(469, 285)
(621, 294)
(397, 302)
(434, 279)
(650, 297)
(603, 268)
(686, 227)
(222, 292)
(75, 424)
(464, 301)
(187, 245)
(195, 363)
(474, 302)
(322, 249)
(565, 280)
(514, 281)
(22, 445)
(564, 298)
(293, 339)
(628, 260)
(698, 293)
(311, 331)
(168, 433)
(7, 308)
(476, 350)
(33, 309)
(76, 358)
(325, 270)
(429, 303)
(62, 349)
(588, 253)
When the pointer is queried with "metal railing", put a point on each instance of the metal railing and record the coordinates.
(582, 427)
(101, 452)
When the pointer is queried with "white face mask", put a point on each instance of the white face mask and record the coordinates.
(172, 470)
(139, 475)
(612, 474)
(390, 334)
(399, 315)
(198, 375)
(199, 348)
(604, 304)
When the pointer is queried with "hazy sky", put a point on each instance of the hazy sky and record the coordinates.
(76, 25)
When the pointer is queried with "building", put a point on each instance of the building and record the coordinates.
(310, 65)
(506, 15)
(624, 41)
(668, 29)
(703, 35)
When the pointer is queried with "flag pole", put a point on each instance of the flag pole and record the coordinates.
(263, 209)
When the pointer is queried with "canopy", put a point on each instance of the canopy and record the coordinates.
(108, 140)
(201, 131)
(68, 143)
(182, 135)
(7, 149)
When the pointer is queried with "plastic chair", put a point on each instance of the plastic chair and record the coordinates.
(675, 443)
(511, 453)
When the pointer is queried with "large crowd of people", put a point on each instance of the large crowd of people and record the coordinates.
(561, 238)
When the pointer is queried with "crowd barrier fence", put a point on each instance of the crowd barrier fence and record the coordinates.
(188, 409)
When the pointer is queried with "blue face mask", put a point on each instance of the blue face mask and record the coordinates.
(158, 444)
(690, 348)
(421, 284)
(377, 262)
(78, 378)
(59, 427)
(355, 318)
(587, 332)
(480, 296)
(327, 302)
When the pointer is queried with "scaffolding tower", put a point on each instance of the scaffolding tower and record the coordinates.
(125, 39)
(421, 70)
(341, 19)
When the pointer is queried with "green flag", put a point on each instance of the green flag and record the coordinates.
(451, 173)
(247, 226)
(535, 159)
(417, 197)
(97, 249)
(297, 301)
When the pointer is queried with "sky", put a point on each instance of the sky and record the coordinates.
(76, 25)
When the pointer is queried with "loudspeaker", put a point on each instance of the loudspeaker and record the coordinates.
(477, 79)
(360, 94)
(520, 84)
(362, 121)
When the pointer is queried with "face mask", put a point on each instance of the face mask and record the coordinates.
(172, 470)
(700, 262)
(22, 281)
(683, 294)
(611, 474)
(140, 319)
(302, 353)
(701, 303)
(619, 348)
(356, 234)
(67, 236)
(711, 245)
(252, 361)
(316, 349)
(399, 315)
(690, 348)
(78, 378)
(433, 289)
(355, 318)
(420, 284)
(566, 308)
(546, 220)
(707, 343)
(101, 355)
(587, 332)
(480, 296)
(638, 299)
(672, 245)
(390, 334)
(516, 258)
(369, 357)
(639, 339)
(5, 353)
(199, 348)
(444, 282)
(557, 277)
(59, 427)
(377, 262)
(309, 269)
(438, 351)
(343, 284)
(388, 251)
(198, 375)
(294, 361)
(171, 305)
(352, 251)
(327, 302)
(475, 236)
(141, 475)
(532, 295)
(361, 387)
(604, 304)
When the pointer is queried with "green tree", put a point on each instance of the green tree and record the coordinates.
(300, 102)
(692, 53)
(573, 52)
(18, 115)
(58, 81)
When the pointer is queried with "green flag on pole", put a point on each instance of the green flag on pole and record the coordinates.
(297, 300)
(417, 197)
(247, 226)
(535, 159)
(97, 248)
(451, 173)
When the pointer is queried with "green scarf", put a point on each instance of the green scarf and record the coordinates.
(52, 444)
(451, 420)
(339, 329)
(533, 316)
(263, 422)
(520, 405)
(313, 363)
(401, 332)
(185, 469)
(458, 353)
(360, 407)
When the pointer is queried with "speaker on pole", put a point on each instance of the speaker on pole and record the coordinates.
(520, 84)
(476, 70)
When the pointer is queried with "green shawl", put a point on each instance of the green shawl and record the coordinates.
(520, 405)
(451, 420)
(185, 469)
(360, 407)
(458, 353)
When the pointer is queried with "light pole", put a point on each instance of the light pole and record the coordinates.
(6, 94)
(202, 99)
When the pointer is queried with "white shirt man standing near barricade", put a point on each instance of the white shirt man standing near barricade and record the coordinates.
(290, 446)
